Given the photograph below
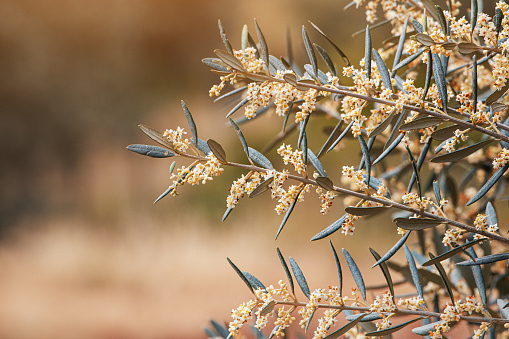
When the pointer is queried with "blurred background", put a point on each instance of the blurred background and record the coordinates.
(83, 251)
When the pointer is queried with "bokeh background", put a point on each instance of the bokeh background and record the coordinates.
(83, 251)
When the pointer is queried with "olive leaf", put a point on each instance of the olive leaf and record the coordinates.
(236, 108)
(338, 268)
(157, 136)
(255, 283)
(325, 182)
(441, 19)
(392, 329)
(346, 327)
(241, 275)
(340, 52)
(287, 271)
(478, 277)
(230, 60)
(451, 252)
(341, 136)
(264, 51)
(299, 276)
(259, 158)
(444, 133)
(365, 211)
(473, 14)
(444, 277)
(310, 51)
(233, 92)
(389, 149)
(331, 229)
(382, 70)
(383, 125)
(417, 26)
(326, 58)
(461, 153)
(424, 39)
(316, 163)
(214, 63)
(385, 271)
(365, 155)
(287, 214)
(367, 53)
(332, 137)
(393, 250)
(413, 270)
(408, 60)
(401, 44)
(421, 123)
(151, 151)
(217, 150)
(414, 224)
(356, 273)
(224, 38)
(261, 188)
(241, 137)
(488, 185)
(488, 259)
(497, 94)
(438, 72)
(190, 122)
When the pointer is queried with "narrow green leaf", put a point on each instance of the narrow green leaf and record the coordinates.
(287, 214)
(338, 50)
(165, 193)
(365, 154)
(424, 39)
(417, 26)
(488, 185)
(332, 137)
(439, 75)
(420, 161)
(385, 271)
(310, 51)
(414, 224)
(287, 271)
(326, 58)
(408, 60)
(341, 136)
(436, 190)
(157, 136)
(313, 159)
(264, 51)
(392, 329)
(401, 44)
(241, 275)
(416, 170)
(497, 94)
(268, 308)
(497, 20)
(325, 182)
(382, 126)
(430, 8)
(367, 53)
(241, 137)
(473, 15)
(172, 167)
(236, 108)
(356, 273)
(502, 305)
(217, 150)
(382, 70)
(395, 133)
(226, 213)
(260, 159)
(393, 250)
(190, 122)
(346, 327)
(474, 83)
(338, 268)
(151, 151)
(365, 211)
(309, 320)
(467, 48)
(478, 277)
(451, 252)
(488, 259)
(331, 229)
(429, 73)
(221, 330)
(261, 188)
(230, 60)
(491, 214)
(253, 281)
(304, 147)
(444, 133)
(389, 149)
(421, 123)
(233, 92)
(425, 329)
(375, 183)
(444, 278)
(226, 42)
(413, 270)
(441, 19)
(214, 64)
(299, 276)
(461, 153)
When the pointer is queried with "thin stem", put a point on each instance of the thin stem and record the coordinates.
(398, 311)
(385, 202)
